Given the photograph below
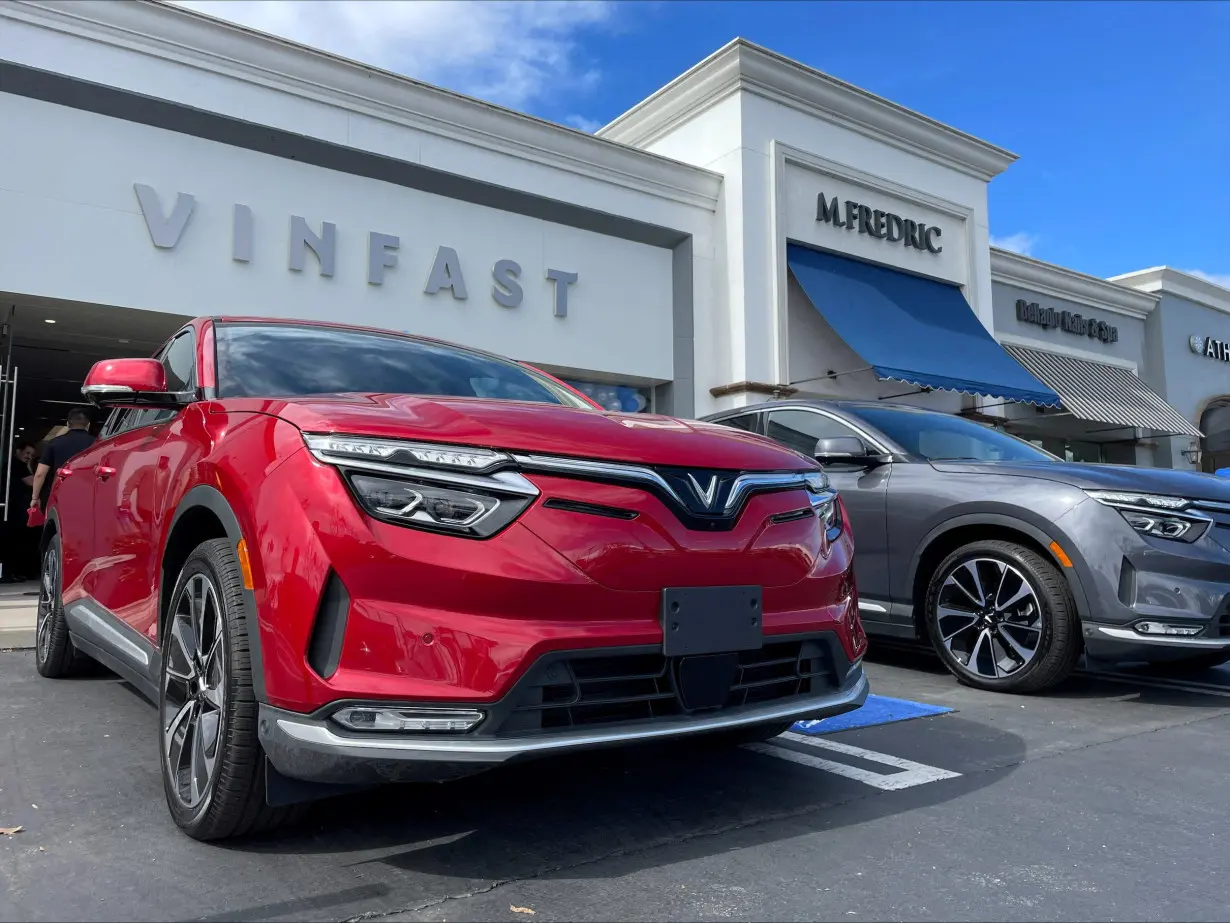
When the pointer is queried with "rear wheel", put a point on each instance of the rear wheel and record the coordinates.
(54, 653)
(213, 768)
(1001, 617)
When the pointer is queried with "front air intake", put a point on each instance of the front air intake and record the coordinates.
(324, 651)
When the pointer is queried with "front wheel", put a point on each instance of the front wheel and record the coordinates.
(1002, 618)
(213, 767)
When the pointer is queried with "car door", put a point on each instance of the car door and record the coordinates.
(72, 494)
(863, 489)
(131, 480)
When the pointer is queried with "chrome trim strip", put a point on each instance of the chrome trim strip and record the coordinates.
(508, 482)
(316, 735)
(1211, 505)
(612, 470)
(871, 607)
(743, 485)
(84, 620)
(1128, 634)
(746, 484)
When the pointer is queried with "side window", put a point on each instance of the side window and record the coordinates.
(800, 429)
(179, 360)
(745, 421)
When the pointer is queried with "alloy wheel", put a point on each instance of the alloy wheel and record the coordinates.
(194, 691)
(46, 603)
(989, 618)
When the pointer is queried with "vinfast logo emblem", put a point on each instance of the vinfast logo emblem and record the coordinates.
(706, 495)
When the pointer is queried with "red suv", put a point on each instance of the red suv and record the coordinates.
(347, 556)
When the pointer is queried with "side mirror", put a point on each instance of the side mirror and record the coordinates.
(847, 449)
(129, 383)
(840, 447)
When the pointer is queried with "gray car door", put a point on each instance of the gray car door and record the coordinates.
(864, 491)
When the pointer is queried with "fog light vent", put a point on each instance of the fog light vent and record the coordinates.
(1162, 628)
(376, 718)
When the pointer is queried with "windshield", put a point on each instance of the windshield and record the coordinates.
(942, 437)
(284, 360)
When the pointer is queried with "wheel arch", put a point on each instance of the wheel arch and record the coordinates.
(205, 514)
(962, 530)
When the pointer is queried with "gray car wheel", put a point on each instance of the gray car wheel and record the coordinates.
(1001, 617)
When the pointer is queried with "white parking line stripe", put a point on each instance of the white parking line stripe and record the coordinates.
(912, 773)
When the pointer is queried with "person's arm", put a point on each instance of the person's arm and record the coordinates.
(40, 476)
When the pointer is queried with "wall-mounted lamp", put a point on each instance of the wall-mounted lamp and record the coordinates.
(1192, 454)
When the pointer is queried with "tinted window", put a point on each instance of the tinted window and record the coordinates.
(747, 421)
(800, 429)
(282, 360)
(179, 361)
(938, 436)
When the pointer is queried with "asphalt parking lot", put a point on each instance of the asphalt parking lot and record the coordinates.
(1105, 800)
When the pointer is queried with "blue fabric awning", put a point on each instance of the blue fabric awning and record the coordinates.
(912, 329)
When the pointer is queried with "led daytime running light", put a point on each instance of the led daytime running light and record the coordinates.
(463, 458)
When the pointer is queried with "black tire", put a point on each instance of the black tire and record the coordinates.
(55, 655)
(232, 799)
(1058, 648)
(1201, 662)
(754, 734)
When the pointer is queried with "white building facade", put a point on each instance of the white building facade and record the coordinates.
(755, 228)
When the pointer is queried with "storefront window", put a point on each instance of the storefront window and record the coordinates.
(618, 398)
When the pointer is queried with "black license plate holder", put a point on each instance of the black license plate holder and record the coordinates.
(711, 620)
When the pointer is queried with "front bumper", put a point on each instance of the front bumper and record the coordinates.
(314, 749)
(1128, 579)
(1124, 644)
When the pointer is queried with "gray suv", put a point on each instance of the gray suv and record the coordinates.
(1009, 560)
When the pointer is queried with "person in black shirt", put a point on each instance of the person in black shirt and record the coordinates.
(20, 543)
(57, 452)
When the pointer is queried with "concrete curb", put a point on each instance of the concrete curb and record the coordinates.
(16, 638)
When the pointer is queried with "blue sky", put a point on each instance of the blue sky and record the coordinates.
(1119, 110)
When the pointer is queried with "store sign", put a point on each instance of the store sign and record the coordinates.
(165, 230)
(1029, 312)
(883, 225)
(1211, 348)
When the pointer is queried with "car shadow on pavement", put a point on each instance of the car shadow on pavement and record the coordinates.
(563, 815)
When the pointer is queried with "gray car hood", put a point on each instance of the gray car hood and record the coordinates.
(1189, 484)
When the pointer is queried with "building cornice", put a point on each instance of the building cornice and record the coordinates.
(1162, 280)
(744, 66)
(1057, 282)
(169, 32)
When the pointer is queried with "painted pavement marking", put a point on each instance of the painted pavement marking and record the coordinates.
(909, 775)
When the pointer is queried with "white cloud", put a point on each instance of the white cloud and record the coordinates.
(511, 53)
(583, 123)
(1221, 279)
(1021, 242)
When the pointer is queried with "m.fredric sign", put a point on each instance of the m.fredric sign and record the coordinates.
(880, 224)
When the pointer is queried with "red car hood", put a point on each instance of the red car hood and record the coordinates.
(532, 428)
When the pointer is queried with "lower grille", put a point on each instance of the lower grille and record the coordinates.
(1223, 626)
(581, 690)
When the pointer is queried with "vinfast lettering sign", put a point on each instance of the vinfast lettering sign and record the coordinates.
(1210, 348)
(167, 228)
(882, 225)
(1029, 312)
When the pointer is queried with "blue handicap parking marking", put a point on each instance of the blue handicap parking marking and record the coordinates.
(878, 709)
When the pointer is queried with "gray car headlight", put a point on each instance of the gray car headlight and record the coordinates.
(1155, 515)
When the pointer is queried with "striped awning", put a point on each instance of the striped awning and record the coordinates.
(1103, 393)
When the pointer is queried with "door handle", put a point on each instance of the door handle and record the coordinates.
(63, 472)
(102, 472)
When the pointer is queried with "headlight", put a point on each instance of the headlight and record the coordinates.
(392, 452)
(448, 489)
(1155, 515)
